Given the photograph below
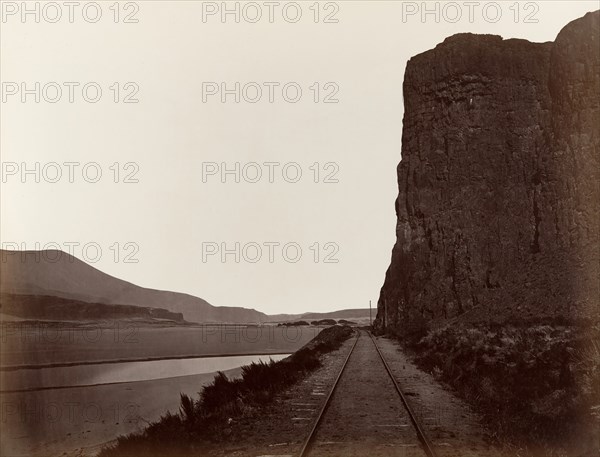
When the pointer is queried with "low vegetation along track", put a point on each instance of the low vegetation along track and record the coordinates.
(366, 413)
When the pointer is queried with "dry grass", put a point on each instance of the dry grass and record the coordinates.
(538, 386)
(207, 420)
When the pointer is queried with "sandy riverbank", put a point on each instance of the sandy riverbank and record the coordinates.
(79, 421)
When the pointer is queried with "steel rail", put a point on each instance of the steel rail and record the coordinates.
(420, 433)
(427, 448)
(311, 437)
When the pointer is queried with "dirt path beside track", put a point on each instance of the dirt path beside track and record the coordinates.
(366, 416)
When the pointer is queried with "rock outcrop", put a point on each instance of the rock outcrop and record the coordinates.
(498, 205)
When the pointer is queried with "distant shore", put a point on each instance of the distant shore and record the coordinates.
(27, 346)
(145, 359)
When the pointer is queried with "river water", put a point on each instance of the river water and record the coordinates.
(110, 373)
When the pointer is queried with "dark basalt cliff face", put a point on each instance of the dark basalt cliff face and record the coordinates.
(498, 205)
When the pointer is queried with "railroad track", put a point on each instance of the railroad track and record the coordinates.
(311, 439)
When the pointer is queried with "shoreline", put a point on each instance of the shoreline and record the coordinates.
(39, 389)
(142, 359)
(107, 411)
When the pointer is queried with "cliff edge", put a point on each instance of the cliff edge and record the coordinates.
(498, 205)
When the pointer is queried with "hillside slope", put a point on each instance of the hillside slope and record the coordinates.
(56, 273)
(66, 309)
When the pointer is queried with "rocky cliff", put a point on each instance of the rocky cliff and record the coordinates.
(498, 205)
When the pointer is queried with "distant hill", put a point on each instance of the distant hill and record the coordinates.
(357, 313)
(65, 309)
(33, 278)
(58, 274)
(341, 314)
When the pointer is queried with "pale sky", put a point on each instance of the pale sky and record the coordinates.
(171, 135)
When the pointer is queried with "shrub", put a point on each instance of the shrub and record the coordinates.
(208, 418)
(535, 385)
(324, 322)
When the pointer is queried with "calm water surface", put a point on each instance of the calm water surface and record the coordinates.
(107, 373)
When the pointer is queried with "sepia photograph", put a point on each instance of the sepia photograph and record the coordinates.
(312, 228)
